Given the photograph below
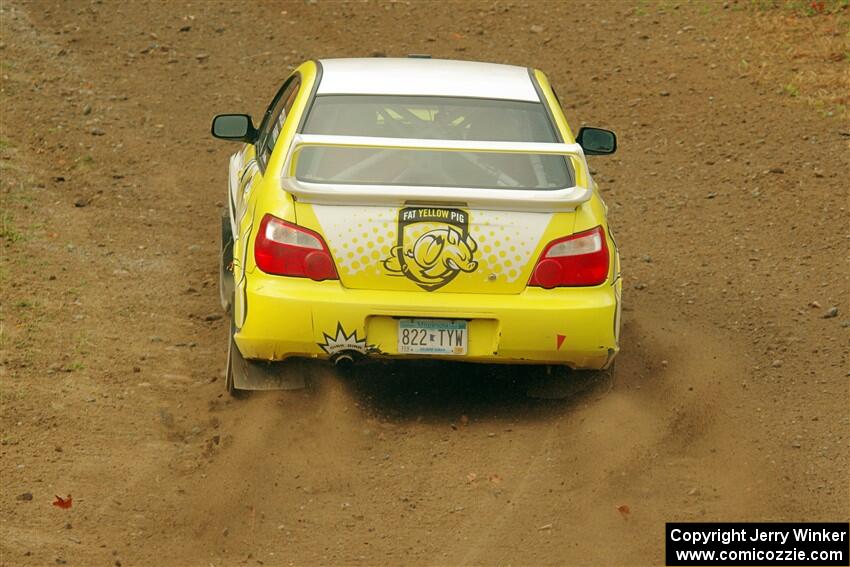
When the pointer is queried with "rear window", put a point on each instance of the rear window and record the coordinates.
(440, 118)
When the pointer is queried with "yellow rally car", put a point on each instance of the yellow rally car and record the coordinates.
(415, 207)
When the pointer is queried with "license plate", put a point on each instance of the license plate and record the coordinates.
(432, 336)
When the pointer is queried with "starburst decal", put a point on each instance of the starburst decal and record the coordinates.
(342, 342)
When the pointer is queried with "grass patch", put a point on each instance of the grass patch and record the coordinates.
(8, 232)
(642, 9)
(8, 396)
(800, 48)
(84, 161)
(82, 344)
(804, 8)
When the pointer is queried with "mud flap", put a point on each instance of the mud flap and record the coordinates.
(250, 375)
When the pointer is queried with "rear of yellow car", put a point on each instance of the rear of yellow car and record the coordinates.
(560, 307)
(400, 226)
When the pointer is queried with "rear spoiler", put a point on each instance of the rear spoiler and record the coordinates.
(536, 200)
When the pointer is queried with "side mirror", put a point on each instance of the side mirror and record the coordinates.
(596, 141)
(234, 127)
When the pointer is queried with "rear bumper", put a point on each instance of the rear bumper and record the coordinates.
(297, 317)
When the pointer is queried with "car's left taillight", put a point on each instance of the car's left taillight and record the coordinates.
(577, 260)
(286, 249)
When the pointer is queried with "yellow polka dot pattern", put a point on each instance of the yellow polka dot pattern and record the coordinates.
(361, 238)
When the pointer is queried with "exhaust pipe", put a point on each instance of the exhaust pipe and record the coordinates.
(343, 360)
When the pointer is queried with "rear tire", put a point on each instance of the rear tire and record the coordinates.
(226, 283)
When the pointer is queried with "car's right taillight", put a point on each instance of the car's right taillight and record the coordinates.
(577, 260)
(286, 249)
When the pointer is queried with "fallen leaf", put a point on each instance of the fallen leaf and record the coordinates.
(495, 479)
(624, 511)
(63, 503)
(471, 477)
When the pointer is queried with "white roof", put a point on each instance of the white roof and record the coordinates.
(430, 77)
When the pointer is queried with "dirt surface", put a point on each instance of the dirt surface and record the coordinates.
(728, 195)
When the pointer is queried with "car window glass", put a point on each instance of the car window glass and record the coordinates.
(263, 129)
(432, 168)
(442, 118)
(276, 118)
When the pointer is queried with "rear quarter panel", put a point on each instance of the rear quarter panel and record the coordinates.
(267, 195)
(264, 194)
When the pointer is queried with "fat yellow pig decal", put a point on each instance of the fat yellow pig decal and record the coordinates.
(434, 246)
